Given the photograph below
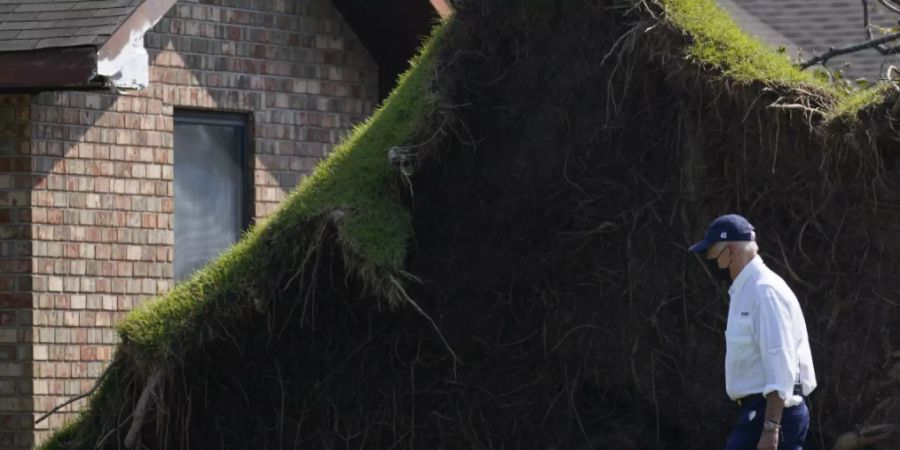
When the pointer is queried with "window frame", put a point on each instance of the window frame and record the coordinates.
(242, 122)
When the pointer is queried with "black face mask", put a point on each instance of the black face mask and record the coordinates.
(718, 273)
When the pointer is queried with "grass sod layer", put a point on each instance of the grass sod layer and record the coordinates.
(355, 181)
(352, 187)
(718, 42)
(561, 182)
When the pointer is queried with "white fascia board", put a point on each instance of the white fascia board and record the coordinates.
(129, 68)
(123, 60)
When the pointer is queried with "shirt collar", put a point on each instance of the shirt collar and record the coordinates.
(753, 267)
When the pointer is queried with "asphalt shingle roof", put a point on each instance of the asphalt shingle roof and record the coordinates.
(812, 26)
(37, 24)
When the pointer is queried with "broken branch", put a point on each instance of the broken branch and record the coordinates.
(869, 43)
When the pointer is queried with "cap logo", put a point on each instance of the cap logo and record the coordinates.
(724, 235)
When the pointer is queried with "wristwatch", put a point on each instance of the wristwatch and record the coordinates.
(771, 425)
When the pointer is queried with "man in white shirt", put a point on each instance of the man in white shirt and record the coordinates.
(768, 363)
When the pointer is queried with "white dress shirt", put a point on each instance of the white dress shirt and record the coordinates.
(766, 345)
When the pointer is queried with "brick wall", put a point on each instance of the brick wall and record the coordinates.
(101, 213)
(103, 185)
(15, 266)
(295, 67)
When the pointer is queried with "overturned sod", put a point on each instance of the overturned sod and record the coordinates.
(515, 275)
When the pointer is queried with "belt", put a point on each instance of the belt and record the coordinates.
(798, 390)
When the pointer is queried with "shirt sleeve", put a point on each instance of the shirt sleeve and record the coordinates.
(773, 328)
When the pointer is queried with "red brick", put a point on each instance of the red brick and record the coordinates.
(148, 220)
(88, 353)
(71, 251)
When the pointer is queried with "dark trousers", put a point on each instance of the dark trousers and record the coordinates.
(748, 428)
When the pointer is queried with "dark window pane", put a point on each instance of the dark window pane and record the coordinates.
(209, 174)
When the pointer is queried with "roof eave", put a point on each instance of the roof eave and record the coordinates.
(121, 62)
(47, 69)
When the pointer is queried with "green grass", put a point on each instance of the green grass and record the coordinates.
(849, 106)
(354, 179)
(719, 42)
(64, 434)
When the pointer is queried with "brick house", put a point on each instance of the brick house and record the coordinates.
(139, 138)
(812, 26)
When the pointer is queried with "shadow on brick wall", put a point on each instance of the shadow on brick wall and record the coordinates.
(16, 369)
(101, 203)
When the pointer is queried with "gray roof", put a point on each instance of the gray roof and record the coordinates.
(36, 24)
(812, 26)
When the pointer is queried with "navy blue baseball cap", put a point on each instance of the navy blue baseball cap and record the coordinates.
(730, 227)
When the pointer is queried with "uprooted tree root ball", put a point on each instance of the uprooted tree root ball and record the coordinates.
(564, 155)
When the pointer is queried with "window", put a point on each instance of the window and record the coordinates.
(211, 194)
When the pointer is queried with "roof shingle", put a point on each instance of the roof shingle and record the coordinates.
(812, 26)
(35, 24)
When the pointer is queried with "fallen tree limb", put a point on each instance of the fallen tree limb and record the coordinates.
(875, 43)
(869, 43)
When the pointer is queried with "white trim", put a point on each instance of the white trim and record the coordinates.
(123, 60)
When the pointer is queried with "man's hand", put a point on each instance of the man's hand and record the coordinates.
(768, 440)
(774, 407)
